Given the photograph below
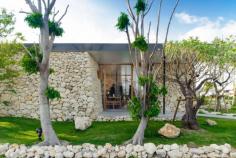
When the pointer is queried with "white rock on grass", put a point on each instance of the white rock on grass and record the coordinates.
(174, 147)
(175, 154)
(82, 123)
(3, 148)
(169, 131)
(197, 151)
(211, 122)
(68, 154)
(166, 147)
(121, 153)
(150, 148)
(233, 154)
(161, 153)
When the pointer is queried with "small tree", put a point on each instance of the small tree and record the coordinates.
(194, 64)
(8, 52)
(145, 103)
(7, 22)
(224, 65)
(37, 59)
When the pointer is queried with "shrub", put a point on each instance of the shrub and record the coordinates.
(52, 93)
(55, 29)
(140, 43)
(34, 20)
(29, 61)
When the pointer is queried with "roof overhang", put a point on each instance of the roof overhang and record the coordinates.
(103, 53)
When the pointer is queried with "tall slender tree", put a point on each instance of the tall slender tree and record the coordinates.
(43, 17)
(145, 103)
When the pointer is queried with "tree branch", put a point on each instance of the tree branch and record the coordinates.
(40, 6)
(63, 15)
(149, 8)
(148, 33)
(50, 6)
(202, 82)
(45, 5)
(158, 25)
(32, 6)
(130, 10)
(172, 14)
(24, 12)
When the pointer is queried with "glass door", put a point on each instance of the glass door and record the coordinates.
(116, 85)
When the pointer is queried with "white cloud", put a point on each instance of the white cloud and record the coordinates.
(86, 22)
(206, 29)
(190, 19)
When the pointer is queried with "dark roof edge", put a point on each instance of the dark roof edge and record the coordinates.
(97, 47)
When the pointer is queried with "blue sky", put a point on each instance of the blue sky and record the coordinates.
(93, 21)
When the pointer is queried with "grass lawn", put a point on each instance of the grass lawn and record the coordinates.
(22, 131)
(233, 109)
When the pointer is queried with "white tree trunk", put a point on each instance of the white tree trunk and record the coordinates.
(50, 137)
(139, 134)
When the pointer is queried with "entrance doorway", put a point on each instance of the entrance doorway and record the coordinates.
(117, 86)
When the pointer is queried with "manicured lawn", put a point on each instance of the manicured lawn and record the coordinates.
(22, 131)
(233, 109)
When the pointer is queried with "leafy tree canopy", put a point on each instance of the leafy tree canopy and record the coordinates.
(7, 22)
(123, 22)
(35, 20)
(140, 43)
(140, 6)
(218, 51)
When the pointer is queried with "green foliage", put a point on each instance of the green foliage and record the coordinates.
(123, 22)
(52, 93)
(6, 23)
(142, 80)
(30, 58)
(134, 107)
(8, 60)
(152, 111)
(51, 71)
(207, 86)
(219, 51)
(152, 101)
(9, 51)
(140, 43)
(55, 29)
(34, 20)
(140, 6)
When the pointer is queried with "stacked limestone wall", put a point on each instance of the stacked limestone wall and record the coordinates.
(75, 77)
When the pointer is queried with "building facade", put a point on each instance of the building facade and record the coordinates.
(91, 78)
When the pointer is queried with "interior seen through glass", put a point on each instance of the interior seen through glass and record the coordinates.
(116, 85)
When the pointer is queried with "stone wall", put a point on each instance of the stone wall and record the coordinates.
(76, 79)
(148, 150)
(171, 98)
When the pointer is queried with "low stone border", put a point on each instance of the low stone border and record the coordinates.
(203, 112)
(128, 118)
(124, 151)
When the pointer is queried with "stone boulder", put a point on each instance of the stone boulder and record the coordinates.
(150, 148)
(169, 131)
(82, 123)
(211, 122)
